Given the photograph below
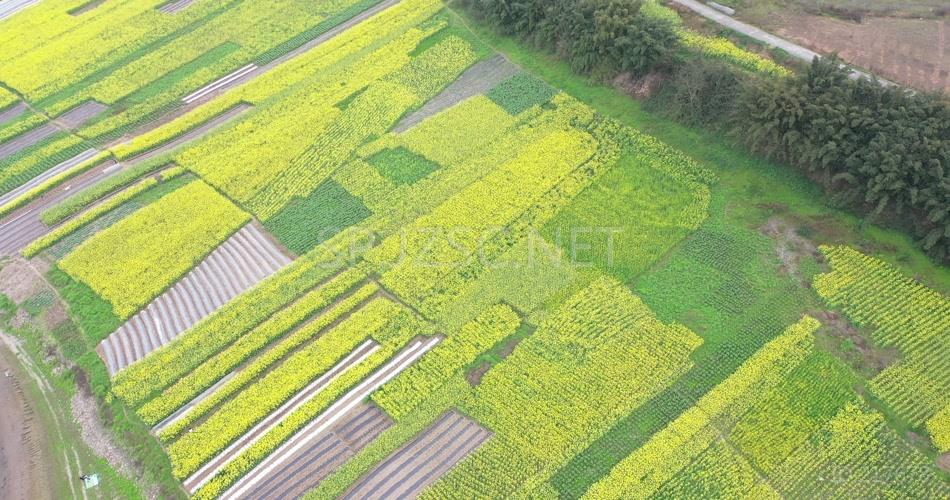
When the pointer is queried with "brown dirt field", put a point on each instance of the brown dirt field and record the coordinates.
(23, 451)
(913, 52)
(19, 281)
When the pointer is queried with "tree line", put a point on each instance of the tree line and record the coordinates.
(882, 151)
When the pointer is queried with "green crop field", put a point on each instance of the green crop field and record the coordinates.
(378, 249)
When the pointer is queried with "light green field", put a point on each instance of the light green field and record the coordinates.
(630, 306)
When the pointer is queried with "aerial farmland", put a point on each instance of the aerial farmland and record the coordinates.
(379, 249)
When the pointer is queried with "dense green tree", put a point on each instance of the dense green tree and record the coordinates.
(881, 147)
(595, 35)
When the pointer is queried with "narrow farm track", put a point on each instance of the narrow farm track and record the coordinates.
(238, 264)
(312, 433)
(49, 174)
(763, 36)
(311, 464)
(11, 7)
(478, 79)
(24, 225)
(206, 472)
(422, 461)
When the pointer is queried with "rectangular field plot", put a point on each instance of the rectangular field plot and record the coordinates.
(238, 264)
(407, 472)
(27, 139)
(81, 114)
(135, 260)
(313, 431)
(478, 79)
(309, 465)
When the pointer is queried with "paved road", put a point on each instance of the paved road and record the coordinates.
(793, 49)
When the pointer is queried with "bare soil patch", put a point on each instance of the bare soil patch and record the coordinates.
(943, 461)
(851, 345)
(790, 246)
(23, 450)
(19, 281)
(914, 52)
(639, 87)
(474, 376)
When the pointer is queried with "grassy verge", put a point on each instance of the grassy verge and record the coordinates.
(739, 293)
(753, 184)
(50, 384)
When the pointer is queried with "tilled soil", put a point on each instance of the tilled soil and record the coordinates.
(914, 52)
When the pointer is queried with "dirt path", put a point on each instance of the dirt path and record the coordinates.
(765, 37)
(23, 449)
(10, 349)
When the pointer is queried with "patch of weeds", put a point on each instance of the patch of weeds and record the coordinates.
(401, 165)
